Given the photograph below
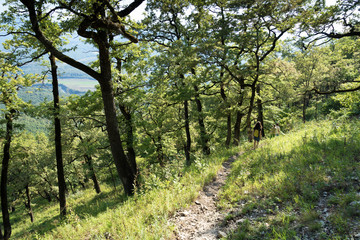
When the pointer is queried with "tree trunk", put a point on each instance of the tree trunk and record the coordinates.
(237, 125)
(187, 131)
(129, 137)
(260, 110)
(124, 169)
(204, 137)
(58, 147)
(248, 117)
(4, 176)
(124, 166)
(228, 124)
(28, 203)
(159, 151)
(228, 134)
(128, 125)
(101, 37)
(92, 173)
(304, 108)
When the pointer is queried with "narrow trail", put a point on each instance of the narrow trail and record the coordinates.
(202, 220)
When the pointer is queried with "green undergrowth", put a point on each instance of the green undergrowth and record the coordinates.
(299, 185)
(111, 215)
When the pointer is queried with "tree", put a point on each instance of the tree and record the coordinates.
(100, 22)
(11, 79)
(58, 145)
(177, 36)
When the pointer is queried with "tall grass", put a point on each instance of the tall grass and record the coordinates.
(110, 216)
(291, 177)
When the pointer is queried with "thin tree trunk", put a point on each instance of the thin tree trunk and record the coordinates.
(4, 177)
(187, 131)
(260, 110)
(239, 116)
(304, 108)
(228, 132)
(237, 125)
(228, 124)
(248, 117)
(92, 173)
(159, 151)
(28, 203)
(58, 147)
(204, 137)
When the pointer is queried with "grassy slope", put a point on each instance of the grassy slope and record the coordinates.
(284, 181)
(284, 189)
(143, 216)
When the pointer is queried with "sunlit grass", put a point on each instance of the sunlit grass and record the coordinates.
(282, 182)
(110, 215)
(293, 172)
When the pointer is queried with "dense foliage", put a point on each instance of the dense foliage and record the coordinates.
(155, 128)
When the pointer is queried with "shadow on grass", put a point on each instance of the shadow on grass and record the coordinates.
(39, 228)
(314, 167)
(99, 204)
(91, 207)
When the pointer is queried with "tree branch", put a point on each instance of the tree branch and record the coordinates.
(30, 5)
(336, 91)
(130, 8)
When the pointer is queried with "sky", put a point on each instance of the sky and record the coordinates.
(137, 14)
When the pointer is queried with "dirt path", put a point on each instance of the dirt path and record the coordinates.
(202, 220)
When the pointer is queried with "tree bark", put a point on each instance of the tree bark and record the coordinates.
(237, 125)
(92, 173)
(260, 110)
(129, 137)
(228, 115)
(28, 203)
(228, 132)
(248, 117)
(124, 169)
(204, 137)
(4, 176)
(58, 147)
(187, 131)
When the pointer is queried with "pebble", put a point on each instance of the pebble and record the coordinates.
(184, 213)
(221, 234)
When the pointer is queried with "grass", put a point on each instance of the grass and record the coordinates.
(293, 179)
(110, 216)
(279, 191)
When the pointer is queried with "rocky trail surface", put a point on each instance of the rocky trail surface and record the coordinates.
(202, 220)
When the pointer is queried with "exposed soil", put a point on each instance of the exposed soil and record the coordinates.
(202, 220)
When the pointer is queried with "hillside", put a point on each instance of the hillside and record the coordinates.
(36, 94)
(303, 185)
(43, 92)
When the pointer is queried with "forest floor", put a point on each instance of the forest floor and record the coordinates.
(202, 220)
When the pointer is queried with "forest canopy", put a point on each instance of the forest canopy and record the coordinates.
(189, 78)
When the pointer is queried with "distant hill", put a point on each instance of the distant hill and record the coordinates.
(43, 92)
